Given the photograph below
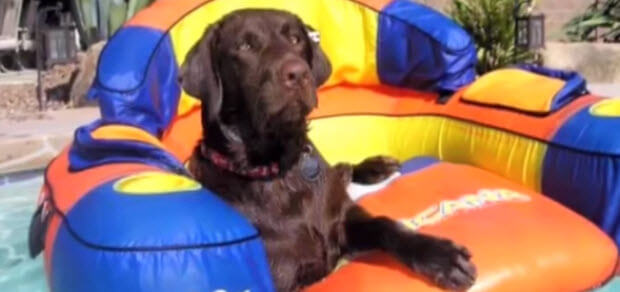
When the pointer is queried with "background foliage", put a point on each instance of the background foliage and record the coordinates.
(492, 26)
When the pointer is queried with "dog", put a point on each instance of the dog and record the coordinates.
(256, 73)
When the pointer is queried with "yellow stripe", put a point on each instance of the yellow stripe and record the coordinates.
(121, 132)
(348, 32)
(606, 108)
(354, 138)
(155, 183)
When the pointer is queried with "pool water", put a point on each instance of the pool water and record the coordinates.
(19, 273)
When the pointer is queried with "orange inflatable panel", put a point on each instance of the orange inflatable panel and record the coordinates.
(520, 240)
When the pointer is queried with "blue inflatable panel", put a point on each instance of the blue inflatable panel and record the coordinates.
(140, 87)
(235, 267)
(589, 133)
(127, 56)
(87, 152)
(107, 218)
(586, 150)
(595, 193)
(422, 49)
(184, 241)
(417, 164)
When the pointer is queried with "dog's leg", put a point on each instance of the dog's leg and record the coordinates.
(442, 261)
(375, 169)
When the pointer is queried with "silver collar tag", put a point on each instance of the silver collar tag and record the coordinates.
(315, 36)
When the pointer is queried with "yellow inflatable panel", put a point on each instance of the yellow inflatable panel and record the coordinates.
(354, 138)
(606, 108)
(155, 183)
(356, 26)
(516, 89)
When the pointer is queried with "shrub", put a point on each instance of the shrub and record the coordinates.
(492, 26)
(602, 17)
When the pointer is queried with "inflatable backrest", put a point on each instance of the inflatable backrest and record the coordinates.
(369, 42)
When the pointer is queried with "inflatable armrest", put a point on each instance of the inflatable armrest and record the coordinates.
(126, 227)
(537, 92)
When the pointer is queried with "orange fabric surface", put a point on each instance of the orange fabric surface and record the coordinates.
(50, 235)
(536, 245)
(383, 100)
(168, 12)
(68, 187)
(375, 4)
(515, 89)
(183, 135)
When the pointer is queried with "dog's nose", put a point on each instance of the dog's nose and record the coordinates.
(295, 73)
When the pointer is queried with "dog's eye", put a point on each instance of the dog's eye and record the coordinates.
(294, 39)
(244, 46)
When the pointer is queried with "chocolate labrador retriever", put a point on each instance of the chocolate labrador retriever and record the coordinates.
(256, 72)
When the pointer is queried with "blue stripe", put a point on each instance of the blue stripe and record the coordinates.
(417, 164)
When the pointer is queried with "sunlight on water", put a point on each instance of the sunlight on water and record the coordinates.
(18, 273)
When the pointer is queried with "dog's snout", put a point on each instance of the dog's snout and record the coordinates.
(295, 73)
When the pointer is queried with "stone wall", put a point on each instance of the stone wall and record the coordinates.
(597, 62)
(557, 12)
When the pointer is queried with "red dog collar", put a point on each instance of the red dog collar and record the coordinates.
(257, 172)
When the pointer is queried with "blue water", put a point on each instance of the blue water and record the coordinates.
(18, 273)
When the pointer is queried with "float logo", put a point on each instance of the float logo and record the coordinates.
(447, 208)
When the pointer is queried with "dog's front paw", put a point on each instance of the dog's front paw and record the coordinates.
(375, 169)
(448, 265)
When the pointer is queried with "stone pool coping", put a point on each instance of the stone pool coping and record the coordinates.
(30, 144)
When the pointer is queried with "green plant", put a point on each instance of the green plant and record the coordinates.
(492, 26)
(599, 17)
(99, 19)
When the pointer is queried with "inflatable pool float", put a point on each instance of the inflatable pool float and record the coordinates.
(502, 164)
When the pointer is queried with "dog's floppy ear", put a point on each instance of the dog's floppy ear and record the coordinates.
(321, 67)
(200, 77)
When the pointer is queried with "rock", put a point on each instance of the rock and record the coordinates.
(86, 76)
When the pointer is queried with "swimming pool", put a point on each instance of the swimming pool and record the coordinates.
(19, 273)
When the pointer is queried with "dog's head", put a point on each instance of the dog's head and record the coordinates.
(256, 72)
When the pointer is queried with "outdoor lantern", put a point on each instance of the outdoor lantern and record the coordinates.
(58, 41)
(530, 32)
(59, 45)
